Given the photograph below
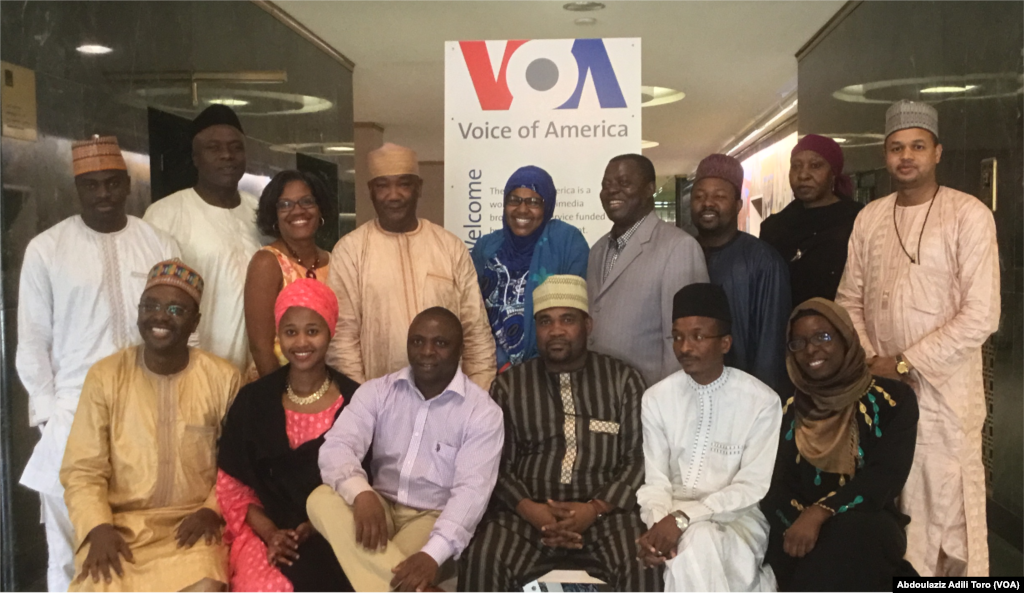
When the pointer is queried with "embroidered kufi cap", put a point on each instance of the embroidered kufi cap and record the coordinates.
(561, 290)
(99, 153)
(174, 272)
(392, 159)
(724, 167)
(910, 114)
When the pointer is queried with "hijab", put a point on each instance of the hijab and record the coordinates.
(515, 251)
(826, 429)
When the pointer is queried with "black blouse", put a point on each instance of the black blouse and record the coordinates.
(887, 418)
(254, 448)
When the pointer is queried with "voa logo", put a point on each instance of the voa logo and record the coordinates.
(542, 74)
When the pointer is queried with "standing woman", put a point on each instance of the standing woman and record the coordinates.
(292, 208)
(268, 453)
(847, 445)
(512, 262)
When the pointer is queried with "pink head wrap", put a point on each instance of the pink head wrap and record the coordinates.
(311, 294)
(831, 152)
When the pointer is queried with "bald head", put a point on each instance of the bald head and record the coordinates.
(434, 348)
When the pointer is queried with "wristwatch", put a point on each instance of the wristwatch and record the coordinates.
(902, 366)
(682, 520)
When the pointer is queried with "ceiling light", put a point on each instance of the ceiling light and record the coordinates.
(586, 21)
(840, 140)
(582, 6)
(93, 49)
(333, 149)
(651, 96)
(949, 89)
(648, 144)
(339, 148)
(229, 102)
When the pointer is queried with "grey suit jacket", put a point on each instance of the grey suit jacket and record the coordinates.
(632, 309)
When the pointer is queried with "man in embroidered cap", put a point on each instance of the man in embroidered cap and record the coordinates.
(389, 269)
(80, 283)
(572, 459)
(812, 232)
(750, 271)
(922, 287)
(215, 225)
(710, 438)
(139, 471)
(634, 270)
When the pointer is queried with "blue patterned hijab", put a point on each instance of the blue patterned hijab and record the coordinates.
(516, 252)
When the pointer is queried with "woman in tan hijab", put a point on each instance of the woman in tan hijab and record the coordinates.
(847, 445)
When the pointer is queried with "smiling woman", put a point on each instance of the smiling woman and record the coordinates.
(293, 207)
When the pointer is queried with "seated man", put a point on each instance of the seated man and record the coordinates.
(139, 468)
(572, 461)
(436, 441)
(710, 437)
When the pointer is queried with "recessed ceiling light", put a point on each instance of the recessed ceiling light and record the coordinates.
(229, 102)
(840, 140)
(582, 6)
(648, 144)
(651, 96)
(339, 148)
(93, 49)
(586, 20)
(949, 89)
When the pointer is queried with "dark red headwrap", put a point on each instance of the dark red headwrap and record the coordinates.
(831, 152)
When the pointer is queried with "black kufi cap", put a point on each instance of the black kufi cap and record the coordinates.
(216, 115)
(701, 300)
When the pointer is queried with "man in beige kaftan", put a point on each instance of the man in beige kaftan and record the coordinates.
(922, 286)
(393, 267)
(140, 466)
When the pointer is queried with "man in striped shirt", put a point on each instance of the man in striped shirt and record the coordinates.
(572, 460)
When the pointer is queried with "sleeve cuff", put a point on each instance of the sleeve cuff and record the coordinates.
(351, 488)
(41, 409)
(438, 548)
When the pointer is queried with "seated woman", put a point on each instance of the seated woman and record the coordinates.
(512, 262)
(847, 445)
(268, 454)
(293, 207)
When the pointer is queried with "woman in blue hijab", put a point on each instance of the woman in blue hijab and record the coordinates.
(511, 262)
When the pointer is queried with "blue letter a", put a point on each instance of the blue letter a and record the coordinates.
(591, 56)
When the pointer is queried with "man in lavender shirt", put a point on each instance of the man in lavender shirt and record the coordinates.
(436, 441)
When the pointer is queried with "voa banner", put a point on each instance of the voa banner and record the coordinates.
(565, 105)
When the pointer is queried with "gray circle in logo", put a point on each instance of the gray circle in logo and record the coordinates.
(542, 74)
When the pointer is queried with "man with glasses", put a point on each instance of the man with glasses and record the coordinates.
(139, 471)
(80, 282)
(395, 266)
(214, 224)
(710, 438)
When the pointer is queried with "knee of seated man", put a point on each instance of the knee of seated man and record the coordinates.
(698, 533)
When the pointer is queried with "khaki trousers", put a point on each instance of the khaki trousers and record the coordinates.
(408, 531)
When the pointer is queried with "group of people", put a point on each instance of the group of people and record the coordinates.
(399, 411)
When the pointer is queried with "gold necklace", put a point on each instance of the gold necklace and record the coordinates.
(305, 401)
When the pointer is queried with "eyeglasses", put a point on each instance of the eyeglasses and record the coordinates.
(697, 338)
(172, 310)
(817, 339)
(531, 202)
(306, 203)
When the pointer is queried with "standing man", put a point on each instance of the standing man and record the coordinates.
(710, 437)
(389, 269)
(634, 270)
(140, 467)
(572, 461)
(80, 284)
(812, 233)
(215, 226)
(436, 441)
(752, 273)
(922, 287)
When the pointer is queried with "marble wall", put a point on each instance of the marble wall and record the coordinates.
(879, 52)
(156, 49)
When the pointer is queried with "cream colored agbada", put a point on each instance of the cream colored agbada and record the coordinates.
(142, 456)
(936, 313)
(384, 279)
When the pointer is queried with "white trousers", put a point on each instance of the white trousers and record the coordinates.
(722, 557)
(60, 537)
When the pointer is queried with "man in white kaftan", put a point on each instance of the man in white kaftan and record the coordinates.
(922, 287)
(214, 223)
(710, 437)
(77, 303)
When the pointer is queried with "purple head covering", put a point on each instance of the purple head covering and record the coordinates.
(516, 252)
(829, 150)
